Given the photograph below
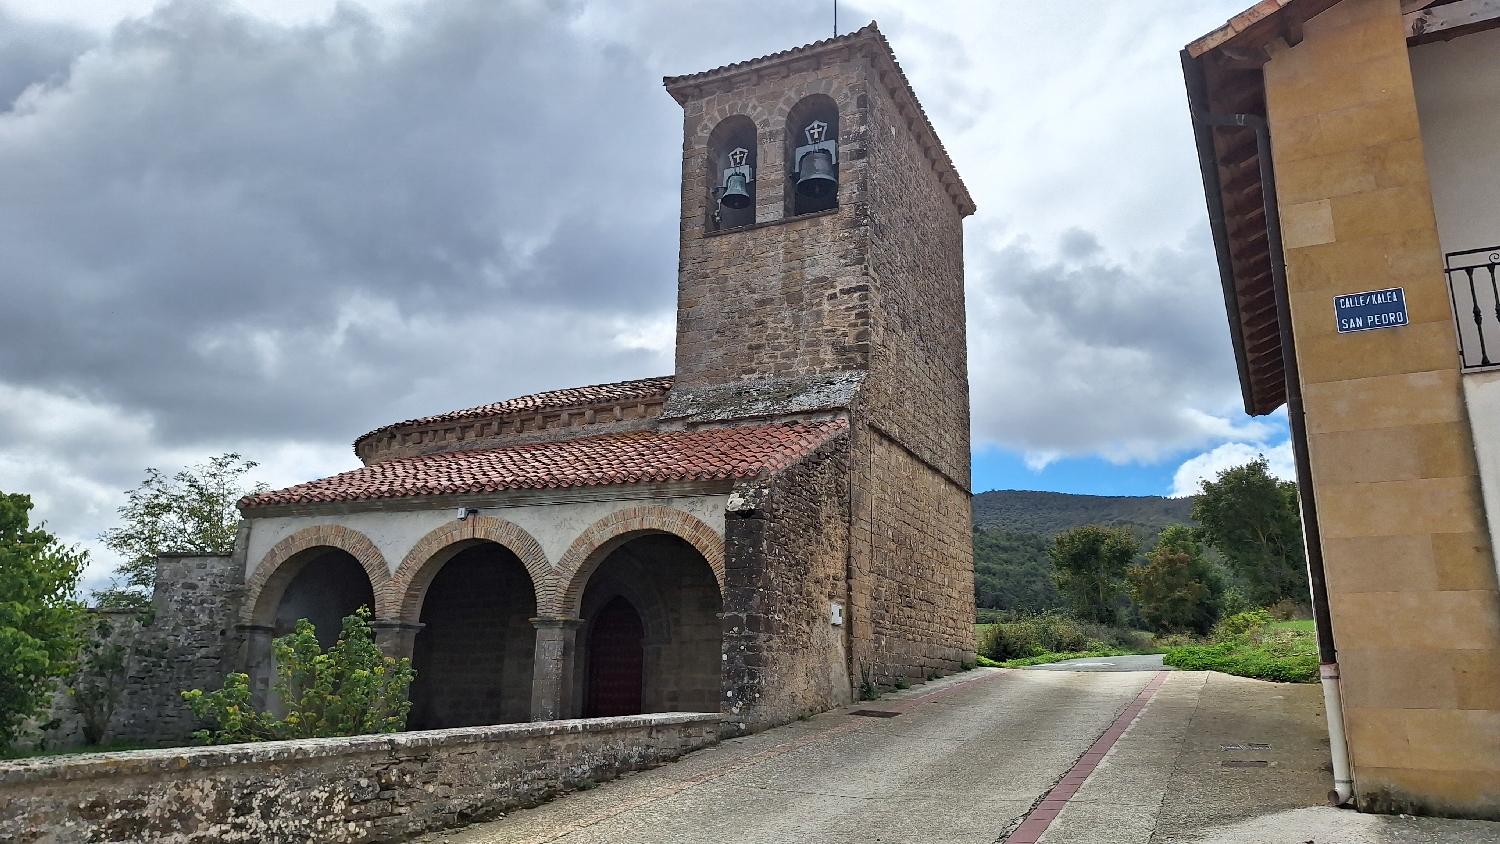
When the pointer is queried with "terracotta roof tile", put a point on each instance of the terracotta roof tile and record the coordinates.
(636, 457)
(621, 391)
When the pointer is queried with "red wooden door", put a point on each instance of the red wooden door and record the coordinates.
(617, 661)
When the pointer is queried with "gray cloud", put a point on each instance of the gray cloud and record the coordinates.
(220, 230)
(1085, 352)
(33, 52)
(203, 212)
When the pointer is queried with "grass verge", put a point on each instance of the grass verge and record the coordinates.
(1251, 645)
(1245, 661)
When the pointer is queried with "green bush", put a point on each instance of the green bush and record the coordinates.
(351, 690)
(1250, 644)
(1242, 623)
(1027, 636)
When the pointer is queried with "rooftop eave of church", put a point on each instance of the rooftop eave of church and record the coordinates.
(867, 41)
(732, 454)
(572, 398)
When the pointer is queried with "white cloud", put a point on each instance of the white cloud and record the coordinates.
(1081, 351)
(1206, 467)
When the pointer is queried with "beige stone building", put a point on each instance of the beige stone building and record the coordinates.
(783, 519)
(1367, 132)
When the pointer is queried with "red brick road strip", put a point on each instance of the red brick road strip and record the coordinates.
(1036, 822)
(673, 788)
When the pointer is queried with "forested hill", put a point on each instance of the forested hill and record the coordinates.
(1013, 530)
(1050, 513)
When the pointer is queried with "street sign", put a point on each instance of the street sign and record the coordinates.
(1376, 309)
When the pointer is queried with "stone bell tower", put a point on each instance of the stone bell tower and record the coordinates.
(821, 271)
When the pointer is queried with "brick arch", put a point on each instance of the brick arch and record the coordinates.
(409, 584)
(832, 88)
(272, 575)
(612, 531)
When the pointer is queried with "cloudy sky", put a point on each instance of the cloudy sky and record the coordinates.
(270, 226)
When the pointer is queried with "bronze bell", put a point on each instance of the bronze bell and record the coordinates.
(815, 176)
(736, 195)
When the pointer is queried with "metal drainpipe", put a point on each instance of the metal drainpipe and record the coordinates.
(1328, 669)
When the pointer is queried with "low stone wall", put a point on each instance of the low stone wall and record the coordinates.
(361, 789)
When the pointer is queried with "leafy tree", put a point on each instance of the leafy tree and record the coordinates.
(191, 512)
(351, 690)
(1090, 563)
(1178, 589)
(40, 616)
(1251, 518)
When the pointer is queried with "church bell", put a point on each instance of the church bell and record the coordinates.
(736, 195)
(815, 175)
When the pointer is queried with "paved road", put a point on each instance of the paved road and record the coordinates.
(970, 756)
(1141, 662)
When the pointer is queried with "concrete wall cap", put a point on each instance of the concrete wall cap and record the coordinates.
(166, 760)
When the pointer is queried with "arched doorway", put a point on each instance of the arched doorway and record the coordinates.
(475, 651)
(329, 585)
(617, 665)
(658, 590)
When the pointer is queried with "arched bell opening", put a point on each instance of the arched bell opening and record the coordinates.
(732, 161)
(475, 651)
(329, 585)
(651, 614)
(812, 155)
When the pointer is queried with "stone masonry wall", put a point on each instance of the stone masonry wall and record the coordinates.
(1411, 579)
(190, 644)
(913, 565)
(875, 285)
(780, 298)
(361, 789)
(786, 561)
(918, 388)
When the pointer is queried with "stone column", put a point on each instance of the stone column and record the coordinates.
(260, 661)
(552, 678)
(396, 639)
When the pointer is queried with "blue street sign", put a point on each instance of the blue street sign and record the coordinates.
(1376, 309)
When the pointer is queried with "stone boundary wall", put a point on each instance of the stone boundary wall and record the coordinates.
(361, 789)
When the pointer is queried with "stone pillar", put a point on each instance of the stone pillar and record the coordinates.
(552, 679)
(396, 639)
(260, 661)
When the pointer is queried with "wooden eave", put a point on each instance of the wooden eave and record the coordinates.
(1223, 75)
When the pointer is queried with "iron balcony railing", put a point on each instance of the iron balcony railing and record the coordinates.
(1475, 294)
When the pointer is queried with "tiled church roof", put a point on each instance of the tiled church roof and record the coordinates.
(636, 457)
(620, 391)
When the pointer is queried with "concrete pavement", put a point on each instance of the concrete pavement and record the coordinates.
(1128, 662)
(969, 758)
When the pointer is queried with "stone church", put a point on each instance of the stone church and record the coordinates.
(783, 519)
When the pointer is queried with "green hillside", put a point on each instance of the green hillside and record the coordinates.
(1014, 528)
(1050, 513)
